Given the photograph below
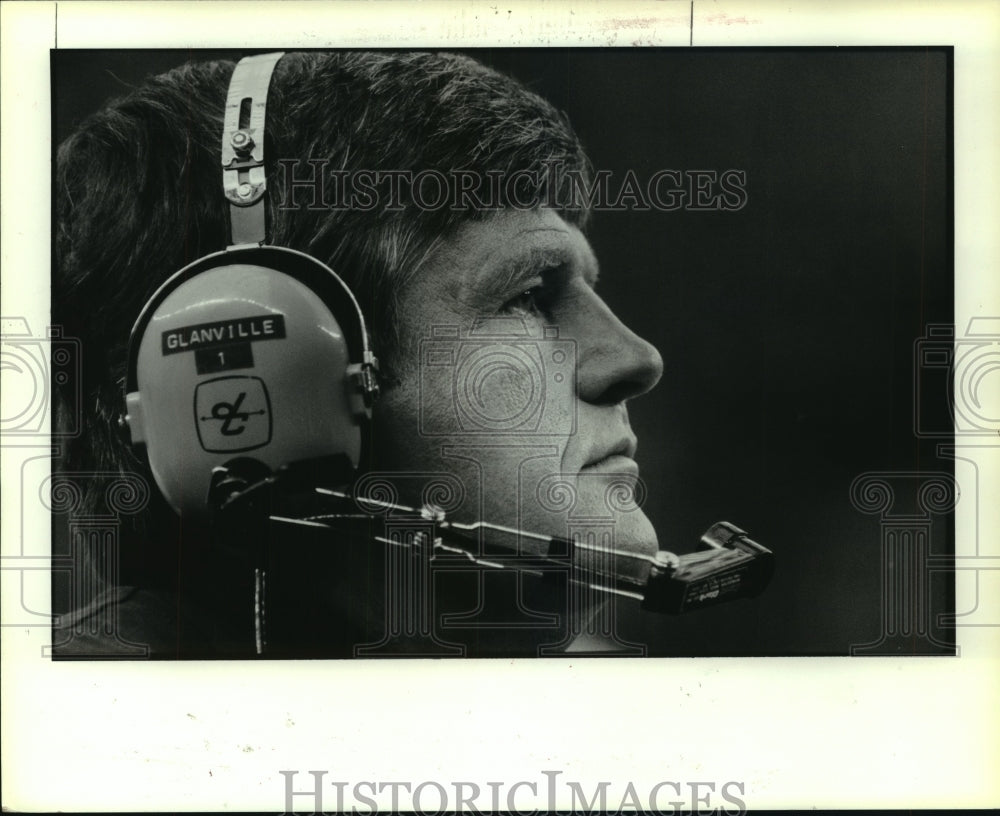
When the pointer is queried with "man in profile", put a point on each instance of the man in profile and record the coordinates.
(500, 365)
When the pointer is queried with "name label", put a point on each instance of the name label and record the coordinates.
(224, 333)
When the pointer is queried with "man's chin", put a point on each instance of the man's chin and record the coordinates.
(634, 533)
(629, 532)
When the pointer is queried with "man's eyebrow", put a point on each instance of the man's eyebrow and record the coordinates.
(520, 269)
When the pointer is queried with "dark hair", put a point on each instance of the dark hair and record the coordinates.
(138, 192)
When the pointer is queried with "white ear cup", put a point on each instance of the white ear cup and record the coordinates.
(240, 360)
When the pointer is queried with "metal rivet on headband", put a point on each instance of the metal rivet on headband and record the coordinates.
(242, 143)
(244, 190)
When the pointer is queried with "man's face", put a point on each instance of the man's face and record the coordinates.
(514, 376)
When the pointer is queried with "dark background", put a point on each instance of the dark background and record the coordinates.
(787, 328)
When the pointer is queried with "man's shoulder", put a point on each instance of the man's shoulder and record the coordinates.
(125, 623)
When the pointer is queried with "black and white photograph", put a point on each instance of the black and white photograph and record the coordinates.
(616, 351)
(416, 360)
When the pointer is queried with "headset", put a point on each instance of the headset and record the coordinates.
(257, 351)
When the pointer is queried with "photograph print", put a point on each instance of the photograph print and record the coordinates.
(503, 353)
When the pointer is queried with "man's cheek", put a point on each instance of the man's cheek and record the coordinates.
(545, 495)
(506, 393)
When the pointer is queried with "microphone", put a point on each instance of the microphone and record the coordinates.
(727, 565)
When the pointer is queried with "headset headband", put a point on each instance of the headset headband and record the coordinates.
(244, 178)
(244, 183)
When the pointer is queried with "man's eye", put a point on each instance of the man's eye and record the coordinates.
(533, 301)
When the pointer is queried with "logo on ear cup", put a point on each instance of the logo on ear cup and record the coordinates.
(232, 414)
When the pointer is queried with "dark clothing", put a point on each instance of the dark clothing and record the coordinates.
(317, 613)
(325, 593)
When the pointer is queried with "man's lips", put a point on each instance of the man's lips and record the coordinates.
(614, 457)
(613, 463)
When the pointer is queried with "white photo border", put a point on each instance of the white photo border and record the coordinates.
(797, 732)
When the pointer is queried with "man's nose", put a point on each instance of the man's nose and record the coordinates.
(613, 363)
